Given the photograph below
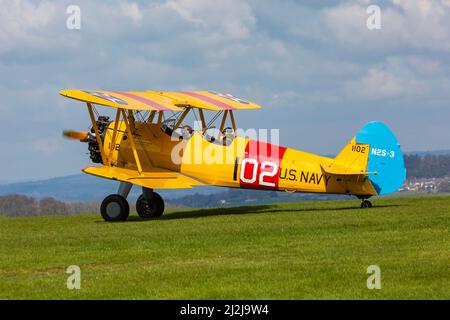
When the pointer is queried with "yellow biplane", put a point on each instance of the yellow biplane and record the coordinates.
(148, 142)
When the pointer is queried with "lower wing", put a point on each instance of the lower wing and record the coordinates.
(154, 179)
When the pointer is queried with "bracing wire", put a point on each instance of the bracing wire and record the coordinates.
(214, 119)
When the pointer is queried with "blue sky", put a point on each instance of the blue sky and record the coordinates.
(319, 73)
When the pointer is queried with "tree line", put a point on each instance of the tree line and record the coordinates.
(20, 205)
(428, 166)
(417, 167)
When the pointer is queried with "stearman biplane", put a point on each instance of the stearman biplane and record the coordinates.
(149, 143)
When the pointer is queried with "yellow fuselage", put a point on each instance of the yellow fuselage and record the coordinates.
(243, 163)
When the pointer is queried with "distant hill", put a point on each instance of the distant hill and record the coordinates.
(84, 187)
(424, 153)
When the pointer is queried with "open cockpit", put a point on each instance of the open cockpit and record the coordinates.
(219, 129)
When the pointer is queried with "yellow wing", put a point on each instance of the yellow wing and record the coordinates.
(154, 179)
(210, 100)
(131, 100)
(161, 100)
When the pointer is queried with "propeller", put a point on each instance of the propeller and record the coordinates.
(76, 135)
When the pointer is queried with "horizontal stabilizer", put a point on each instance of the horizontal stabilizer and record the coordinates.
(337, 169)
(154, 179)
(352, 160)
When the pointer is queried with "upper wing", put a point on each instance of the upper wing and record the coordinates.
(210, 100)
(131, 100)
(154, 179)
(161, 100)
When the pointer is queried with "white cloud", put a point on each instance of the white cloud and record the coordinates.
(46, 146)
(311, 59)
(424, 66)
(21, 21)
(420, 25)
(132, 11)
(427, 23)
(232, 18)
(379, 84)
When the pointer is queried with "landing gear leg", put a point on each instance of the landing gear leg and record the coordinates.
(124, 189)
(115, 207)
(149, 204)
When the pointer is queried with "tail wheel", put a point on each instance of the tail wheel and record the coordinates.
(153, 208)
(366, 204)
(115, 208)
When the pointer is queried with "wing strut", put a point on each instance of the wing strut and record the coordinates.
(183, 115)
(160, 117)
(97, 134)
(222, 124)
(151, 117)
(202, 118)
(232, 121)
(133, 145)
(114, 137)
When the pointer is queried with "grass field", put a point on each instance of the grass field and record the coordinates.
(315, 250)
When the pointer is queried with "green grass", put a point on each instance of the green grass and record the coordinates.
(311, 250)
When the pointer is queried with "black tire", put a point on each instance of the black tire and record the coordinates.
(115, 208)
(150, 209)
(366, 204)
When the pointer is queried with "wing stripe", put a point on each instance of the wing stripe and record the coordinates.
(215, 102)
(146, 101)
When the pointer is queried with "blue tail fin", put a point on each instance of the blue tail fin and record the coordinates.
(385, 157)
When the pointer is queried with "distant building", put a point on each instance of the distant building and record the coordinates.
(426, 184)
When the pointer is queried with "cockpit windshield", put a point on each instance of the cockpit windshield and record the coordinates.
(182, 125)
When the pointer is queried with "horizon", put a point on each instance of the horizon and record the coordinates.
(80, 173)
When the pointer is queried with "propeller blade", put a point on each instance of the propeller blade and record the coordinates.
(76, 135)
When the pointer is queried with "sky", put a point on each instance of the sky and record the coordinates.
(315, 67)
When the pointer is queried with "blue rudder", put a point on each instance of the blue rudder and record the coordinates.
(385, 157)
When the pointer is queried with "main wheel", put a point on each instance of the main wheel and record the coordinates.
(115, 208)
(366, 204)
(150, 209)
